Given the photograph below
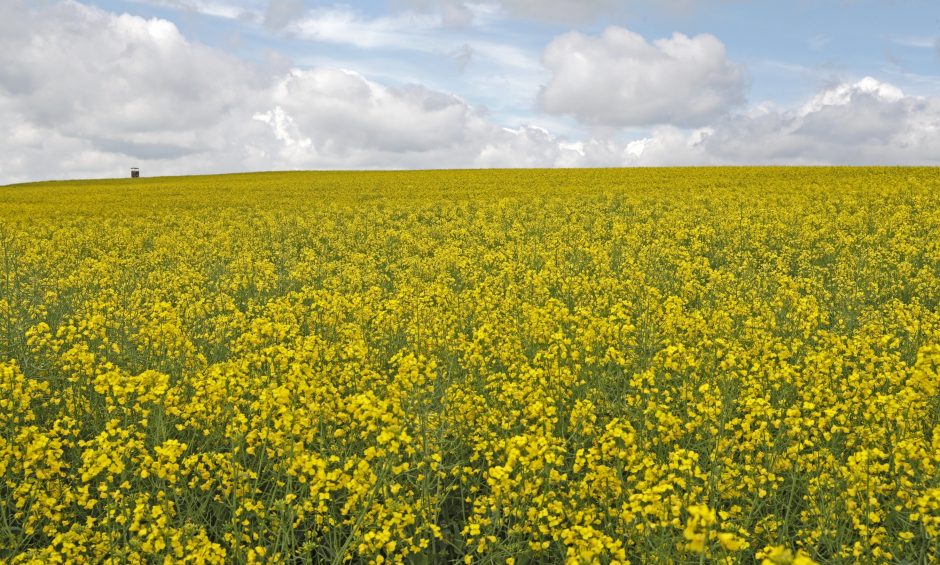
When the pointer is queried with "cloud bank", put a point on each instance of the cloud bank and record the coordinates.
(88, 93)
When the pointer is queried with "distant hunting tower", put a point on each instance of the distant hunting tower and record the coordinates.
(135, 173)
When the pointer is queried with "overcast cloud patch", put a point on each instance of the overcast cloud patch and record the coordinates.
(142, 150)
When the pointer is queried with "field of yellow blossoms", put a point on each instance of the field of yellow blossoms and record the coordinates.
(646, 366)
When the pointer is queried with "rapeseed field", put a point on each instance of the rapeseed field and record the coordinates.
(591, 366)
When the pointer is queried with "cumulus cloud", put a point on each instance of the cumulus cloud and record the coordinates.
(863, 123)
(86, 89)
(83, 70)
(344, 113)
(140, 93)
(619, 79)
(326, 116)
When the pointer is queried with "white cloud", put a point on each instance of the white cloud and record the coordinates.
(846, 94)
(344, 113)
(619, 79)
(95, 89)
(456, 14)
(330, 117)
(82, 70)
(564, 10)
(527, 146)
(920, 42)
(343, 25)
(559, 11)
(865, 123)
(139, 93)
(280, 13)
(227, 9)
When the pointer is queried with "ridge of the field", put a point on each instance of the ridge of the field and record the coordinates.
(347, 172)
(476, 182)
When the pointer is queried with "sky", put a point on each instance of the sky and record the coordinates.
(91, 88)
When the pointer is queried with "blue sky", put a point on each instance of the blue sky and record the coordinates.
(790, 48)
(286, 84)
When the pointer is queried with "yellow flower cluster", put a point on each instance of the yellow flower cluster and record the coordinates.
(587, 366)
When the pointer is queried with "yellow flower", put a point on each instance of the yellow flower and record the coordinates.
(730, 541)
(396, 367)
